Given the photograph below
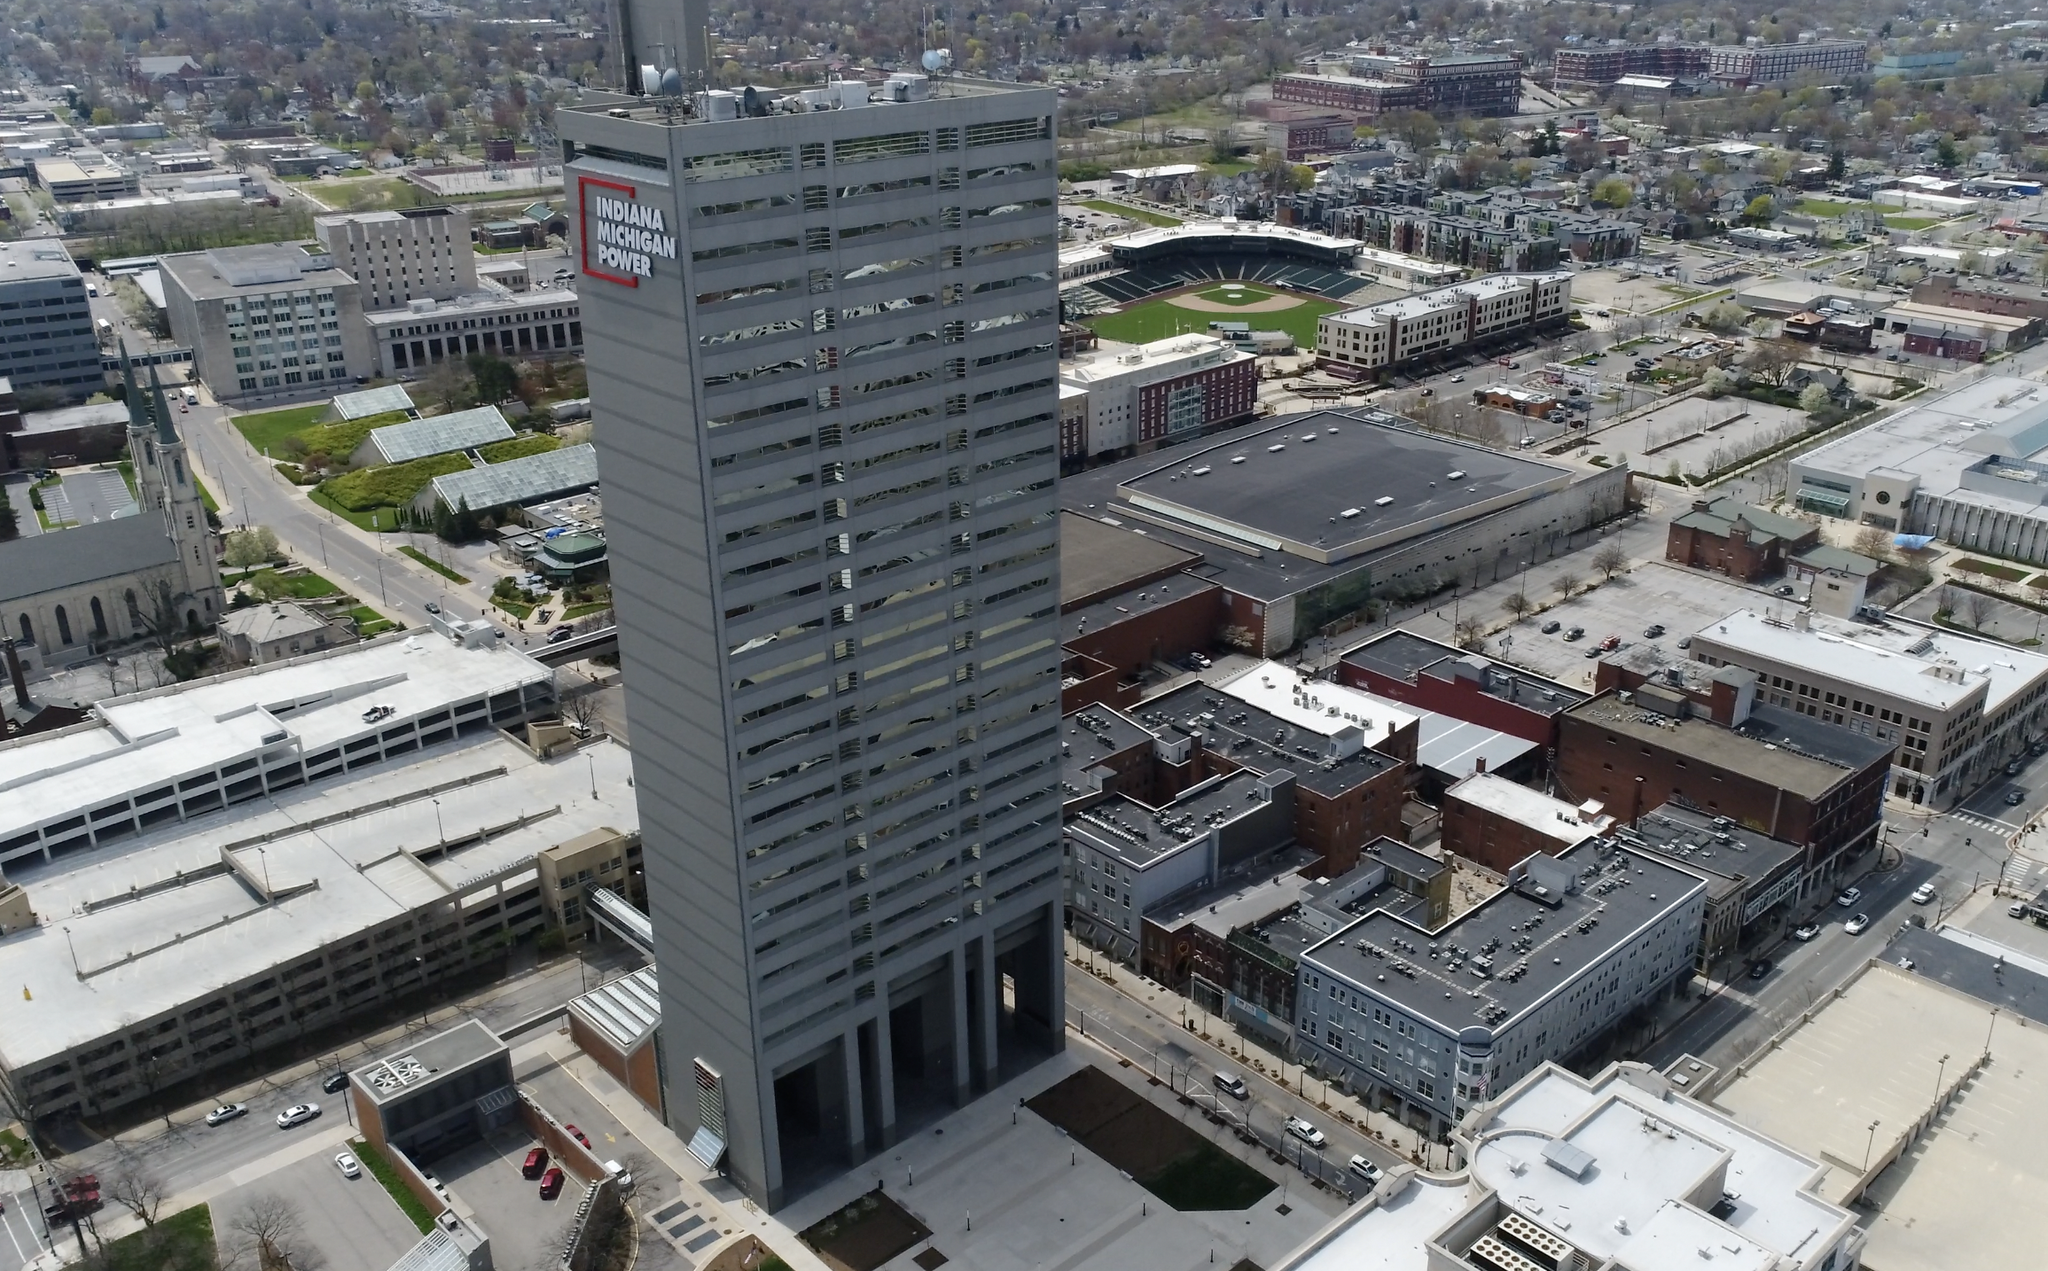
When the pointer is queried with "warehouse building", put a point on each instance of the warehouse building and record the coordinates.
(1303, 518)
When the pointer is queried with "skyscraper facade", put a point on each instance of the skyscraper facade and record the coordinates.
(822, 334)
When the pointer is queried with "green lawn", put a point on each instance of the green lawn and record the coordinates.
(1912, 222)
(369, 622)
(1156, 319)
(1138, 214)
(519, 447)
(12, 1147)
(386, 516)
(578, 611)
(206, 497)
(1235, 167)
(306, 586)
(390, 485)
(433, 564)
(1832, 207)
(517, 608)
(387, 1173)
(181, 1242)
(269, 429)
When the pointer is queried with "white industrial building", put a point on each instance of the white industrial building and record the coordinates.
(1969, 467)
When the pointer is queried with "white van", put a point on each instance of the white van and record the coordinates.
(191, 396)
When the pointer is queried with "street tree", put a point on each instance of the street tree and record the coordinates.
(1978, 609)
(250, 547)
(1610, 560)
(1517, 604)
(1567, 584)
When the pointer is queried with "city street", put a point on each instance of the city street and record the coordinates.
(1113, 1016)
(251, 492)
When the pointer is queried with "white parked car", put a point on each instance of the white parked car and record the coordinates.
(1306, 1132)
(348, 1165)
(297, 1114)
(1923, 894)
(225, 1113)
(1365, 1169)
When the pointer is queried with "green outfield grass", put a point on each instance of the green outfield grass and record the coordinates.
(1157, 319)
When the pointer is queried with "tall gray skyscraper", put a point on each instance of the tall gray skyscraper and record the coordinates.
(822, 332)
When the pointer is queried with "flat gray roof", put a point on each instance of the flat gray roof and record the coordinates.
(372, 401)
(1099, 560)
(1335, 485)
(1776, 746)
(27, 259)
(1625, 892)
(179, 914)
(220, 272)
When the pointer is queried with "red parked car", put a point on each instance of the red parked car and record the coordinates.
(536, 1161)
(578, 1135)
(551, 1184)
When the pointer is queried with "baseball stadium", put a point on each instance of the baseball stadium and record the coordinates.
(1180, 278)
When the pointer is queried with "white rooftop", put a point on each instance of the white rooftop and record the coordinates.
(133, 931)
(1241, 229)
(1554, 818)
(1318, 705)
(146, 740)
(1456, 296)
(1173, 354)
(1389, 1234)
(1649, 1149)
(1931, 665)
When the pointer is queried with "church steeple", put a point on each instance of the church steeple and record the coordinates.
(166, 431)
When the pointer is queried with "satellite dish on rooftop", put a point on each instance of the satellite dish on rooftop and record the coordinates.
(937, 61)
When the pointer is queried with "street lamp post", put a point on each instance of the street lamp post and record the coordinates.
(1939, 1074)
(1868, 1144)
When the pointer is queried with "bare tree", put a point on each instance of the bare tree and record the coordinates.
(1470, 633)
(581, 710)
(15, 1104)
(1567, 583)
(1610, 560)
(1873, 542)
(1978, 608)
(135, 1188)
(1773, 361)
(271, 1224)
(1945, 599)
(1517, 603)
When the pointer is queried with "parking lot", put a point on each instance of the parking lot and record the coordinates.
(350, 1224)
(1682, 600)
(1699, 435)
(485, 1177)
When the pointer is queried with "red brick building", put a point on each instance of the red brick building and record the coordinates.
(1737, 539)
(1790, 776)
(1432, 676)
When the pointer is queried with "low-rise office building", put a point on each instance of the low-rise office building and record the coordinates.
(1957, 707)
(521, 325)
(402, 255)
(261, 634)
(1428, 1023)
(267, 318)
(78, 180)
(1432, 323)
(1773, 63)
(49, 342)
(1676, 1182)
(1738, 539)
